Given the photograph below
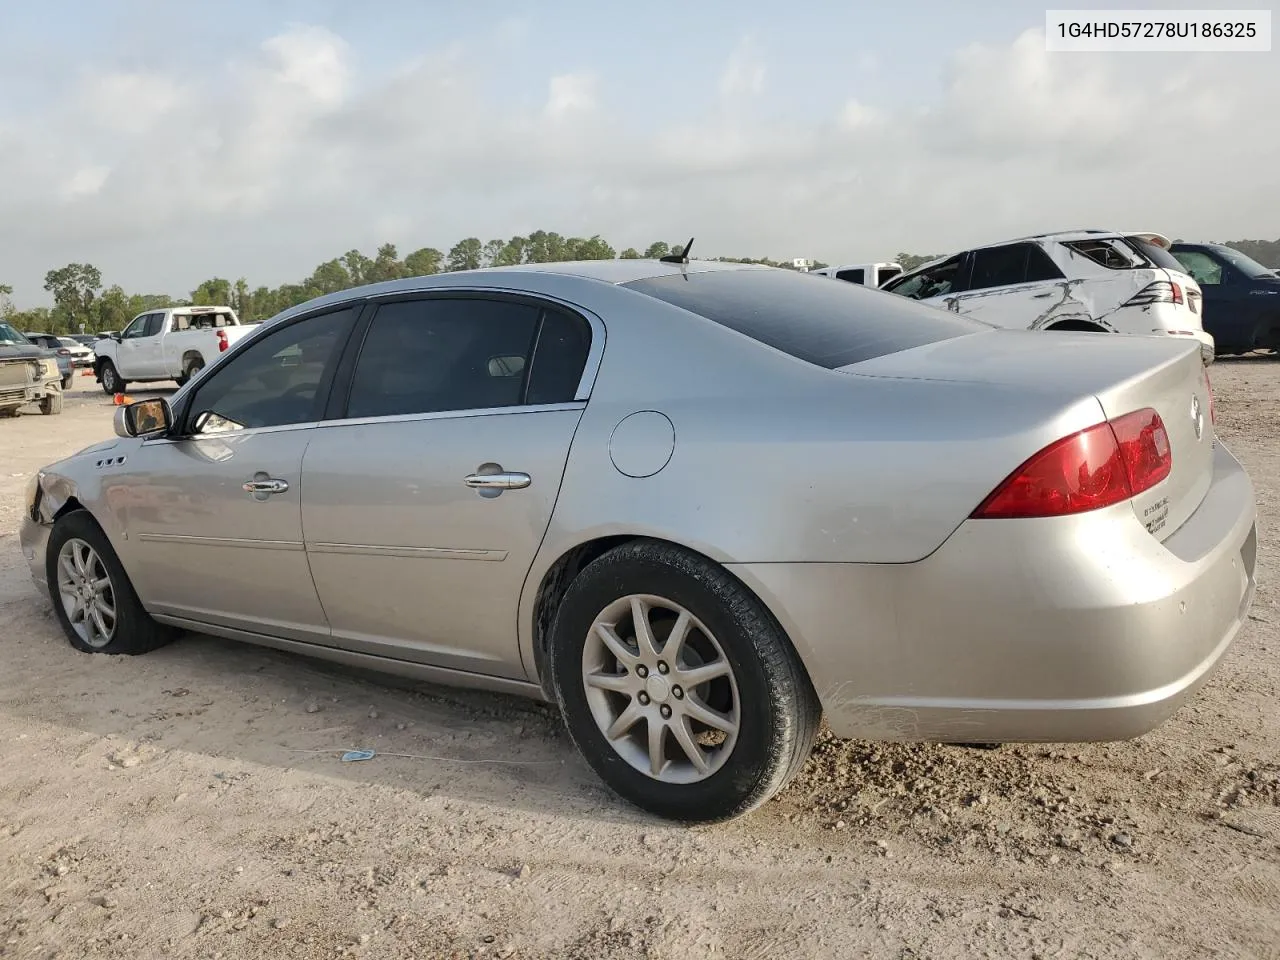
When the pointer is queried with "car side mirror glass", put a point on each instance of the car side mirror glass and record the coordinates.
(506, 366)
(143, 418)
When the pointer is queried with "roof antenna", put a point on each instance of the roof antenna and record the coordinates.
(681, 257)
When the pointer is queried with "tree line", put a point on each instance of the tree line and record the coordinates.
(81, 303)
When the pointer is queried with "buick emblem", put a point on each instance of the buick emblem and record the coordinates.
(1197, 417)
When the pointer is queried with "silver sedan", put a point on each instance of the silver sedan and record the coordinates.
(696, 505)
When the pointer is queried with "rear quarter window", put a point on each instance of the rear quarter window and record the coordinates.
(827, 324)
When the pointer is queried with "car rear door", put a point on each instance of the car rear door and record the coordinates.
(1015, 285)
(426, 499)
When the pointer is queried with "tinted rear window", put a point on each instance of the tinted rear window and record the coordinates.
(828, 324)
(1157, 255)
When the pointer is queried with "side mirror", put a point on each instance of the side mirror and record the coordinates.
(143, 418)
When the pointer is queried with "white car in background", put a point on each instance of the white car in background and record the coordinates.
(867, 274)
(174, 343)
(1091, 280)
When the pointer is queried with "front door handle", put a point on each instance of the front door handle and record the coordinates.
(498, 481)
(266, 486)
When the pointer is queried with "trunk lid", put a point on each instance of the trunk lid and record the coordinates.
(1124, 374)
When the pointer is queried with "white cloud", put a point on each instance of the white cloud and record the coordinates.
(571, 93)
(295, 150)
(744, 73)
(85, 182)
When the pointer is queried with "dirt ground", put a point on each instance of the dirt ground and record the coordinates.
(191, 803)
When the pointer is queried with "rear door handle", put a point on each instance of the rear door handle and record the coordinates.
(498, 481)
(266, 486)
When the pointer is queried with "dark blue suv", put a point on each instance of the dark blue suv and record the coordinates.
(1241, 297)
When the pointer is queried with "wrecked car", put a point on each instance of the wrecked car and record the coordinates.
(28, 374)
(1086, 280)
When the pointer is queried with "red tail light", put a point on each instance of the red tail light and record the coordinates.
(1161, 291)
(222, 341)
(1104, 465)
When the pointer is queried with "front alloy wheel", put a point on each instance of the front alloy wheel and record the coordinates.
(86, 593)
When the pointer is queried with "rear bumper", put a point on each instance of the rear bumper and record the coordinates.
(1062, 629)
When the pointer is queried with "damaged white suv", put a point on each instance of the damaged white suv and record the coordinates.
(1094, 280)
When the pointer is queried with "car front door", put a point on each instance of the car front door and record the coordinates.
(1015, 286)
(131, 352)
(425, 502)
(1228, 315)
(213, 512)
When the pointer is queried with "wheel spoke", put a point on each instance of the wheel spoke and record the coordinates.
(626, 720)
(101, 584)
(617, 682)
(644, 629)
(100, 624)
(675, 639)
(657, 744)
(76, 613)
(704, 714)
(609, 636)
(78, 554)
(67, 566)
(696, 676)
(684, 736)
(104, 608)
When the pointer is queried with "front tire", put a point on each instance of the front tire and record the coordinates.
(702, 732)
(111, 381)
(92, 596)
(51, 404)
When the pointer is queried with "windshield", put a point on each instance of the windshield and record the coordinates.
(1250, 267)
(10, 335)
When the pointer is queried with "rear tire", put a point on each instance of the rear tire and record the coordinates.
(763, 711)
(92, 597)
(111, 381)
(51, 405)
(194, 366)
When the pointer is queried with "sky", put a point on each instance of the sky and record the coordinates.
(168, 143)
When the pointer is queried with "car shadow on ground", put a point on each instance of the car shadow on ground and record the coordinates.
(246, 708)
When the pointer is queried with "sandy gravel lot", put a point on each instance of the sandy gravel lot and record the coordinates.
(191, 803)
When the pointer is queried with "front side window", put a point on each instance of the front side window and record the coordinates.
(138, 328)
(443, 354)
(1250, 267)
(154, 324)
(274, 381)
(1200, 267)
(852, 276)
(935, 281)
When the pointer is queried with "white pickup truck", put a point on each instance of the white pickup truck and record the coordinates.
(170, 344)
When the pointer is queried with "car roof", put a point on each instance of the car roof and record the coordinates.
(613, 272)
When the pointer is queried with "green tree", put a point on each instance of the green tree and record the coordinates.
(513, 252)
(215, 292)
(424, 262)
(492, 252)
(631, 253)
(466, 254)
(545, 247)
(386, 265)
(910, 261)
(358, 266)
(591, 249)
(74, 288)
(656, 250)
